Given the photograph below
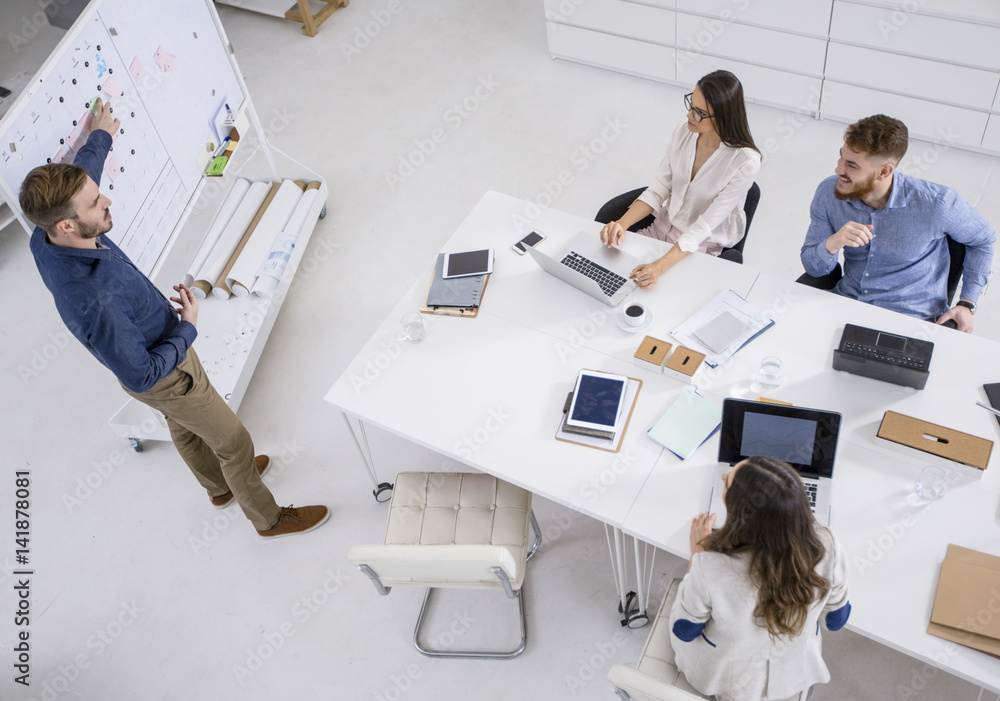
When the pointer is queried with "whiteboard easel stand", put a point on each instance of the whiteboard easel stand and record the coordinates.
(232, 333)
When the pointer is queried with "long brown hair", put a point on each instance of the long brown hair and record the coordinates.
(769, 519)
(724, 94)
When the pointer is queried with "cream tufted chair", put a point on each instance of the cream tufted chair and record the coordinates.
(453, 530)
(655, 678)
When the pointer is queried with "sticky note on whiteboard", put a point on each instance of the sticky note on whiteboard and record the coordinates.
(62, 155)
(111, 168)
(164, 60)
(75, 139)
(112, 88)
(135, 68)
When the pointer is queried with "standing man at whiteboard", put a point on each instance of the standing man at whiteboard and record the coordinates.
(132, 329)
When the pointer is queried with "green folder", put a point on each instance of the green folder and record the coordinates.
(688, 423)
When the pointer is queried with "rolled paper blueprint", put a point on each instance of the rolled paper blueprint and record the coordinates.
(229, 206)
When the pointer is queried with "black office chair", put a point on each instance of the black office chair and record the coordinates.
(956, 251)
(616, 207)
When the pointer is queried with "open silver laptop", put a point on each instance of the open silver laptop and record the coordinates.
(592, 267)
(804, 438)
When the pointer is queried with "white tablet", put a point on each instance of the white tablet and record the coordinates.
(597, 400)
(468, 263)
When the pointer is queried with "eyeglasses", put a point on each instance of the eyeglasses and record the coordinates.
(698, 114)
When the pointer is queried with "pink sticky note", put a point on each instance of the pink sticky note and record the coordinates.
(164, 60)
(135, 68)
(62, 155)
(112, 88)
(83, 121)
(111, 168)
(75, 139)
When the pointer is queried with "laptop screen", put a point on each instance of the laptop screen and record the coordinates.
(804, 438)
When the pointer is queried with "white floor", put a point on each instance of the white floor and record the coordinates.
(143, 591)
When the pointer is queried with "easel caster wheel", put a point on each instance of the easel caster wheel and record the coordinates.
(322, 212)
(636, 620)
(136, 444)
(382, 493)
(629, 604)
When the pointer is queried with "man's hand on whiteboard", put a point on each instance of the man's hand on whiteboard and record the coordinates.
(104, 118)
(189, 304)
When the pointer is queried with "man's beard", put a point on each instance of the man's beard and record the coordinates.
(92, 231)
(859, 192)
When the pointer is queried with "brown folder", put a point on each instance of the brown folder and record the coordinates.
(967, 605)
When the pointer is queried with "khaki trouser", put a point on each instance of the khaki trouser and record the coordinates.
(211, 439)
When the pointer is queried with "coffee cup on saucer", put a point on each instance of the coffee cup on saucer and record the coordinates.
(634, 314)
(633, 317)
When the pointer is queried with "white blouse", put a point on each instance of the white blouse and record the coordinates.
(709, 208)
(735, 657)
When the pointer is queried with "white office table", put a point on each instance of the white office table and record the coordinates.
(518, 360)
(488, 392)
(895, 542)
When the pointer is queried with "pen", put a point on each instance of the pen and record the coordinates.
(989, 409)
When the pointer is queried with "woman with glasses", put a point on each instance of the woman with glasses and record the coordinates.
(745, 625)
(698, 194)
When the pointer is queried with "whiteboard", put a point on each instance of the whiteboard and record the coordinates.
(166, 70)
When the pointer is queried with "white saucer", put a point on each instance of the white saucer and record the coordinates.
(620, 318)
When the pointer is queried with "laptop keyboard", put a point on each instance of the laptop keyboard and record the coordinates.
(610, 282)
(811, 488)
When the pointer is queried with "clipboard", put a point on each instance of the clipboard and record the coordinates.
(466, 312)
(611, 445)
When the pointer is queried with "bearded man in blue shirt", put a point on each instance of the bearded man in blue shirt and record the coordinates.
(117, 313)
(892, 229)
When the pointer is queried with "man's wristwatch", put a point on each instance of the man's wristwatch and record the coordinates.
(971, 306)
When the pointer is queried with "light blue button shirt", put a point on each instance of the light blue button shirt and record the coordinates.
(905, 266)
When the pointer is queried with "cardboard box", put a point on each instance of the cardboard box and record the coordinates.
(652, 354)
(684, 364)
(967, 604)
(936, 440)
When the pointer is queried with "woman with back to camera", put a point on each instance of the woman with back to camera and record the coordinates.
(698, 194)
(746, 621)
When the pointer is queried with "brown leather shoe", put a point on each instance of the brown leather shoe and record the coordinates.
(262, 462)
(291, 521)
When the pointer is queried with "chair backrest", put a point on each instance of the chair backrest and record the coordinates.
(616, 207)
(749, 208)
(957, 252)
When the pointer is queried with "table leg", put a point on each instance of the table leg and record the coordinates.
(630, 605)
(382, 490)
